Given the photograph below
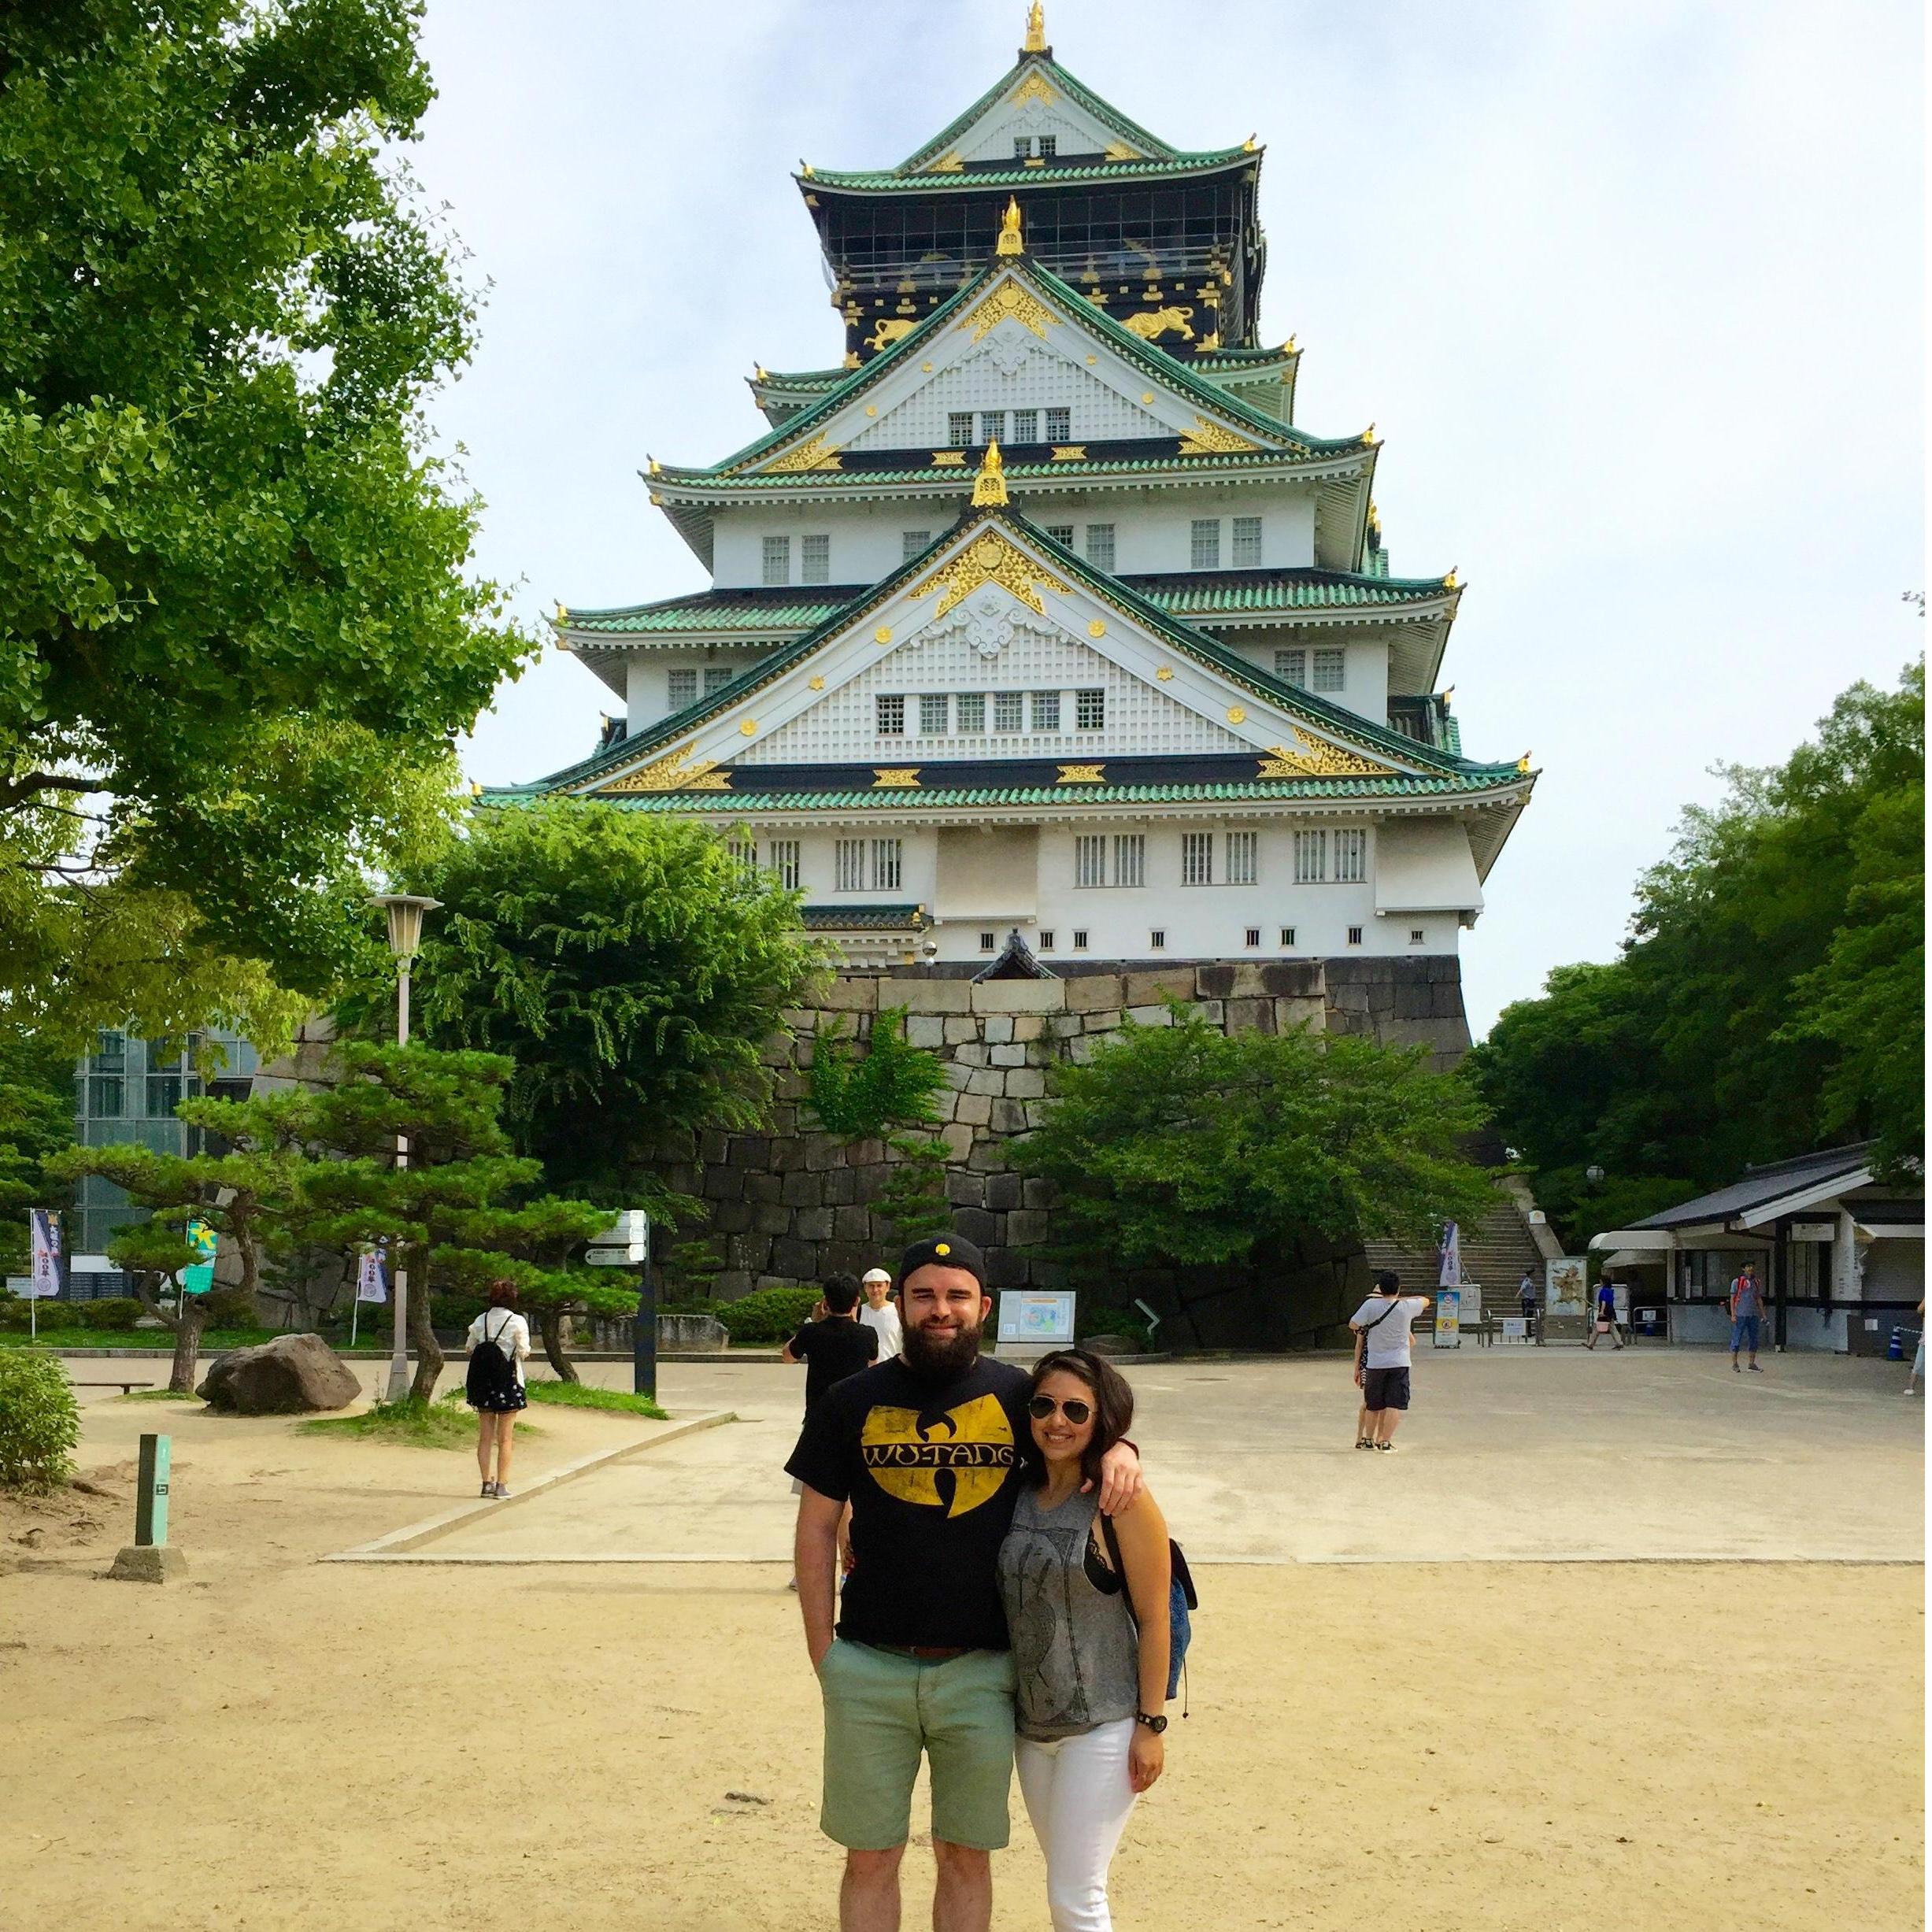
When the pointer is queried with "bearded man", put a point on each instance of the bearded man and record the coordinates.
(925, 1447)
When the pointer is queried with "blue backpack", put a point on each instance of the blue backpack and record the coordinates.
(1181, 1599)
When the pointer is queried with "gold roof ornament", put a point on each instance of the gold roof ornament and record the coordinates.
(1370, 436)
(1452, 581)
(990, 485)
(658, 468)
(563, 613)
(1289, 348)
(1011, 241)
(1247, 146)
(1522, 763)
(806, 170)
(757, 372)
(1036, 28)
(1447, 695)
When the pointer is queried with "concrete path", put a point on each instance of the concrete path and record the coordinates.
(1657, 1454)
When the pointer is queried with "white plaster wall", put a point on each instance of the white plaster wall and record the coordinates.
(992, 138)
(647, 679)
(1366, 671)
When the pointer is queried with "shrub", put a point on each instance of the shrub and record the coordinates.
(15, 1313)
(771, 1315)
(229, 1308)
(39, 1424)
(116, 1312)
(1099, 1321)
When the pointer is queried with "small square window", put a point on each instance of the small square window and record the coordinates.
(1247, 542)
(1100, 545)
(970, 712)
(716, 677)
(1254, 935)
(1046, 711)
(1354, 935)
(778, 560)
(1157, 941)
(992, 425)
(683, 688)
(1061, 534)
(1204, 543)
(1090, 711)
(1059, 425)
(1046, 942)
(891, 715)
(932, 714)
(959, 428)
(1049, 145)
(1026, 426)
(815, 560)
(1287, 935)
(1009, 711)
(985, 942)
(1079, 938)
(1023, 146)
(1332, 671)
(1292, 667)
(1418, 936)
(912, 543)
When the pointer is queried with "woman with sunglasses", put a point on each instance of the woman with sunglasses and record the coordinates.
(1090, 1657)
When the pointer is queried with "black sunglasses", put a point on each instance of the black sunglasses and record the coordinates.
(1075, 1411)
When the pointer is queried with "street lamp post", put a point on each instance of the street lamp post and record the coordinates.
(405, 912)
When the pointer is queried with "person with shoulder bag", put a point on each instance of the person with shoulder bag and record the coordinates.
(499, 1346)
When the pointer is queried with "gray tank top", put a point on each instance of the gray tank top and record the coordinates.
(1075, 1651)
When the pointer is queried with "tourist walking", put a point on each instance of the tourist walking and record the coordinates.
(835, 1344)
(925, 1447)
(1747, 1312)
(1381, 1358)
(878, 1312)
(499, 1346)
(1530, 1295)
(1606, 1321)
(1090, 1658)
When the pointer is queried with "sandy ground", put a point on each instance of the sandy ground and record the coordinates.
(277, 1742)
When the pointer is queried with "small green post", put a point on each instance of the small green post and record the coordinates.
(150, 1507)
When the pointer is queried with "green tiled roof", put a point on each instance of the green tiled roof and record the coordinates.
(802, 379)
(865, 918)
(715, 610)
(1055, 175)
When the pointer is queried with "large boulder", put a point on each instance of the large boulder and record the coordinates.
(285, 1377)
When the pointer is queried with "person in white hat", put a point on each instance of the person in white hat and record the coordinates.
(877, 1311)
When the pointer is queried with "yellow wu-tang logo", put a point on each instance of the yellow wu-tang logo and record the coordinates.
(972, 1445)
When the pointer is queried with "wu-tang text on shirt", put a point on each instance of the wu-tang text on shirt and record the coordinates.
(954, 1461)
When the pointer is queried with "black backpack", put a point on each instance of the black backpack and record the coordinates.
(492, 1376)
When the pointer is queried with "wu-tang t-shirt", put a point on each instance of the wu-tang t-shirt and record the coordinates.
(931, 1471)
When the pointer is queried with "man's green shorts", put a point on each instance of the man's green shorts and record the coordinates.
(882, 1710)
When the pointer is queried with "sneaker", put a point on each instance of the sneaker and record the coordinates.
(1756, 1370)
(503, 1495)
(1362, 1441)
(489, 1489)
(1734, 1368)
(1387, 1448)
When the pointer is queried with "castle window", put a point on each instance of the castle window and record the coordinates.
(1059, 425)
(1204, 543)
(1130, 859)
(1046, 942)
(1157, 941)
(1026, 426)
(891, 715)
(743, 849)
(682, 687)
(1023, 146)
(1247, 542)
(932, 714)
(1287, 935)
(1351, 857)
(778, 560)
(1354, 935)
(1090, 711)
(992, 425)
(1089, 859)
(1254, 935)
(815, 560)
(1418, 936)
(1197, 858)
(1009, 711)
(1311, 858)
(1292, 667)
(888, 863)
(959, 428)
(849, 865)
(987, 940)
(1061, 533)
(971, 713)
(782, 855)
(1100, 545)
(716, 677)
(1331, 670)
(1049, 145)
(912, 543)
(1079, 938)
(1243, 861)
(1046, 711)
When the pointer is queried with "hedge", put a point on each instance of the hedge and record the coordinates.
(39, 1423)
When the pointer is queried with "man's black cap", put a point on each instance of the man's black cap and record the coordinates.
(943, 1251)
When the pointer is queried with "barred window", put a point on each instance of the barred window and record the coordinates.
(1354, 935)
(1026, 426)
(815, 560)
(992, 425)
(1292, 667)
(1061, 533)
(849, 865)
(1351, 857)
(1243, 861)
(782, 858)
(912, 543)
(1059, 425)
(1254, 935)
(959, 428)
(1311, 858)
(778, 560)
(1046, 942)
(1418, 935)
(971, 712)
(1197, 858)
(1287, 935)
(1247, 542)
(1130, 859)
(684, 689)
(744, 852)
(1079, 938)
(1204, 543)
(891, 715)
(1089, 858)
(1046, 711)
(932, 714)
(888, 863)
(987, 940)
(1157, 941)
(1009, 711)
(1049, 145)
(716, 677)
(1331, 670)
(1023, 146)
(1090, 711)
(1100, 545)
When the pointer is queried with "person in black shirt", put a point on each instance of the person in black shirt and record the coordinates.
(839, 1346)
(924, 1447)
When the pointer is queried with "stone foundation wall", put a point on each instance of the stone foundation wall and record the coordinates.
(790, 1205)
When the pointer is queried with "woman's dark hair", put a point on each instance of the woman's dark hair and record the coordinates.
(503, 1294)
(1113, 1409)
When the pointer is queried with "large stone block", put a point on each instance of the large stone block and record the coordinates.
(1293, 978)
(925, 1030)
(764, 1188)
(1009, 1117)
(1446, 999)
(1003, 1192)
(1080, 1051)
(960, 1027)
(729, 1284)
(802, 1190)
(1006, 1267)
(996, 1029)
(1025, 1226)
(1018, 996)
(753, 1152)
(823, 1153)
(1036, 1026)
(964, 1190)
(988, 1080)
(1091, 992)
(855, 993)
(1026, 1083)
(1007, 1055)
(975, 1225)
(292, 1375)
(731, 1217)
(713, 1147)
(1291, 1015)
(784, 1117)
(975, 1109)
(1037, 1192)
(1414, 1001)
(1251, 1015)
(1215, 982)
(770, 1218)
(788, 1156)
(842, 1185)
(812, 1224)
(972, 1053)
(852, 1224)
(796, 1259)
(1144, 989)
(959, 1140)
(956, 1073)
(1151, 1015)
(933, 996)
(1036, 1111)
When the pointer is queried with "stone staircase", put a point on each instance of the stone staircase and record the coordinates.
(1495, 1251)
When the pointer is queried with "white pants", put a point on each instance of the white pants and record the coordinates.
(1078, 1795)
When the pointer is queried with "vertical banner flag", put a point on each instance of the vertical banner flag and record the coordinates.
(371, 1278)
(1450, 1255)
(197, 1279)
(45, 1277)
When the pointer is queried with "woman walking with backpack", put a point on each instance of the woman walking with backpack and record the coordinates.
(1090, 1659)
(499, 1346)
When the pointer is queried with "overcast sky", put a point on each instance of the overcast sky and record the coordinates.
(1631, 290)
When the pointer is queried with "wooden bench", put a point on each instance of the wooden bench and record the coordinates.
(125, 1388)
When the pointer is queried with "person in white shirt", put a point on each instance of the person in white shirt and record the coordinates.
(496, 1393)
(1381, 1358)
(877, 1311)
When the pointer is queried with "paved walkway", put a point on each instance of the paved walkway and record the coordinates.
(1508, 1454)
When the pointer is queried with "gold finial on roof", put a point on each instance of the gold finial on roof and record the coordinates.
(1374, 515)
(757, 372)
(1011, 241)
(1247, 146)
(1036, 29)
(805, 169)
(1289, 348)
(563, 613)
(1452, 581)
(658, 468)
(1447, 695)
(990, 485)
(1370, 436)
(1522, 763)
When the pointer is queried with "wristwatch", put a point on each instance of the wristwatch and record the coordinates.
(1156, 1725)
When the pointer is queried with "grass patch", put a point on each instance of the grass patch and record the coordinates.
(578, 1395)
(157, 1341)
(421, 1425)
(157, 1395)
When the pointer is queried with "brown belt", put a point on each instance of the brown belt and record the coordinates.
(926, 1654)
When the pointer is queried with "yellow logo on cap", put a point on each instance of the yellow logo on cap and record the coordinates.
(943, 1247)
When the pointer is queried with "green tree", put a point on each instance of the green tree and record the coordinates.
(1179, 1145)
(36, 1121)
(633, 970)
(237, 638)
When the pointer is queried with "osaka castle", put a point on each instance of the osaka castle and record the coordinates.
(1037, 628)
